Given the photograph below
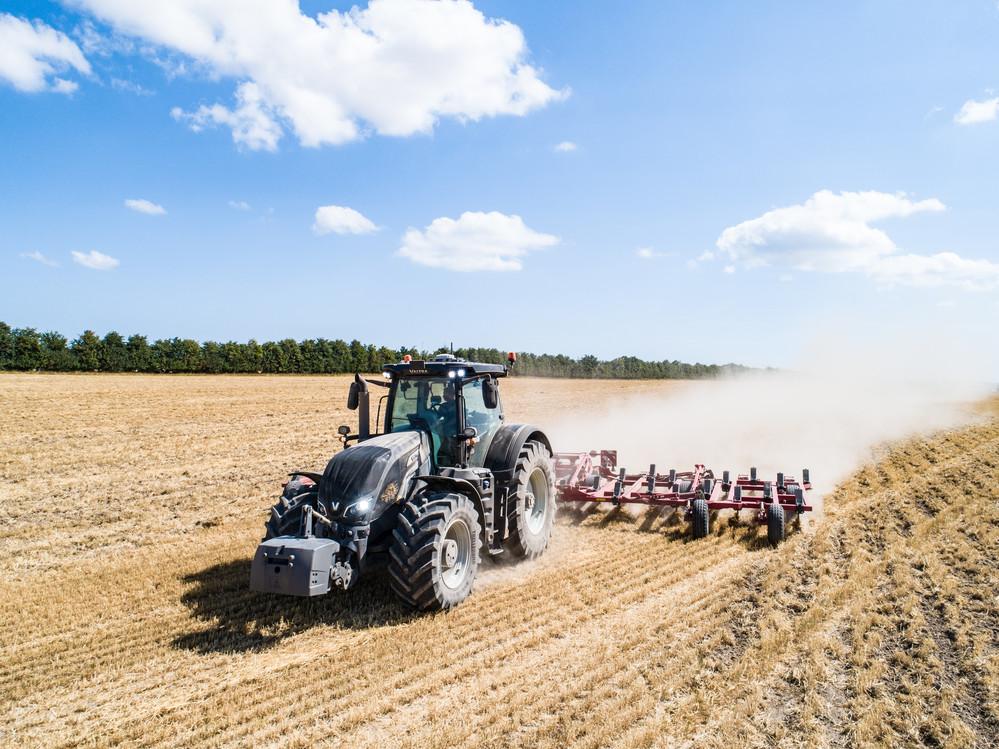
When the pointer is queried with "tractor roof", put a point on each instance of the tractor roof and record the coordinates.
(440, 365)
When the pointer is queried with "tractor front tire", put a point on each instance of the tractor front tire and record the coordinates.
(531, 502)
(286, 515)
(775, 524)
(701, 517)
(435, 551)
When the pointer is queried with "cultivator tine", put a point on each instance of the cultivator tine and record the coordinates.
(672, 476)
(752, 473)
(652, 479)
(618, 486)
(725, 477)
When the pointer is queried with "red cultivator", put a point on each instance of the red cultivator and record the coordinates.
(579, 478)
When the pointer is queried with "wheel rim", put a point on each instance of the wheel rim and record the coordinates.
(536, 501)
(456, 554)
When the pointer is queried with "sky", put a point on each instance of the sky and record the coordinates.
(715, 182)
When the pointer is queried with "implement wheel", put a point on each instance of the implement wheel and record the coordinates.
(435, 551)
(775, 524)
(531, 502)
(701, 517)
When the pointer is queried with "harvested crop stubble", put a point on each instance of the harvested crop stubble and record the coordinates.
(133, 503)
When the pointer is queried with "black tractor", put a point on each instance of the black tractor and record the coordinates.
(445, 478)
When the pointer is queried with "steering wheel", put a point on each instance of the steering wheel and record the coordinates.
(418, 421)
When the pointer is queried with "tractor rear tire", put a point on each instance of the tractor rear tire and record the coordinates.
(701, 517)
(531, 502)
(435, 551)
(286, 515)
(775, 524)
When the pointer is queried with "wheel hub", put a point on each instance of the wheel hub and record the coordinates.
(456, 554)
(536, 501)
(450, 553)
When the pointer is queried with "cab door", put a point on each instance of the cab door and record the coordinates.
(486, 421)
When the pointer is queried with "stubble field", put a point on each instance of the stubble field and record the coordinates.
(132, 505)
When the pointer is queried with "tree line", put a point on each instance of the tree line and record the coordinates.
(25, 349)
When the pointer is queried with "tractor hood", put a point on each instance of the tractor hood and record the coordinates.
(376, 472)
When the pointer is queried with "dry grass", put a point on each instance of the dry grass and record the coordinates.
(132, 505)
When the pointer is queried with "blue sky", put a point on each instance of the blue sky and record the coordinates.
(681, 225)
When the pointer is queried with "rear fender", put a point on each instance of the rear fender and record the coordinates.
(506, 447)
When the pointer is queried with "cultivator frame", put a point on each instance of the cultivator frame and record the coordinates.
(594, 476)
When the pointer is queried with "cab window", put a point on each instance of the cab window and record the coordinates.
(485, 420)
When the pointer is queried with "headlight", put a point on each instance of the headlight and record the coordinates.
(358, 510)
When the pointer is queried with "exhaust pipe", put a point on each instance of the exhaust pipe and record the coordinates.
(358, 399)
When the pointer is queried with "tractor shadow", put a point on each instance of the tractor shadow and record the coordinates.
(240, 620)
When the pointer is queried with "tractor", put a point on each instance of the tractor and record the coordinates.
(444, 478)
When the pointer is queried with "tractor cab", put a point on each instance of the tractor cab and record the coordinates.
(454, 401)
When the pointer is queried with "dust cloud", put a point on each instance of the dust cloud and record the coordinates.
(828, 415)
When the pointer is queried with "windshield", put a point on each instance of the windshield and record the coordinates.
(427, 403)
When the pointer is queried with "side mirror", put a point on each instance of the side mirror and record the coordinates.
(352, 398)
(469, 433)
(343, 431)
(490, 393)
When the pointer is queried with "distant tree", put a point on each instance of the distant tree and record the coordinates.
(291, 356)
(254, 356)
(187, 355)
(140, 358)
(27, 349)
(56, 356)
(87, 350)
(358, 357)
(160, 356)
(114, 353)
(212, 358)
(6, 346)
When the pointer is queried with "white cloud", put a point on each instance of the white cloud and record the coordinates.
(40, 258)
(32, 53)
(394, 67)
(341, 220)
(829, 231)
(239, 205)
(832, 232)
(565, 146)
(252, 121)
(974, 112)
(140, 205)
(940, 269)
(130, 87)
(729, 269)
(474, 241)
(649, 253)
(95, 260)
